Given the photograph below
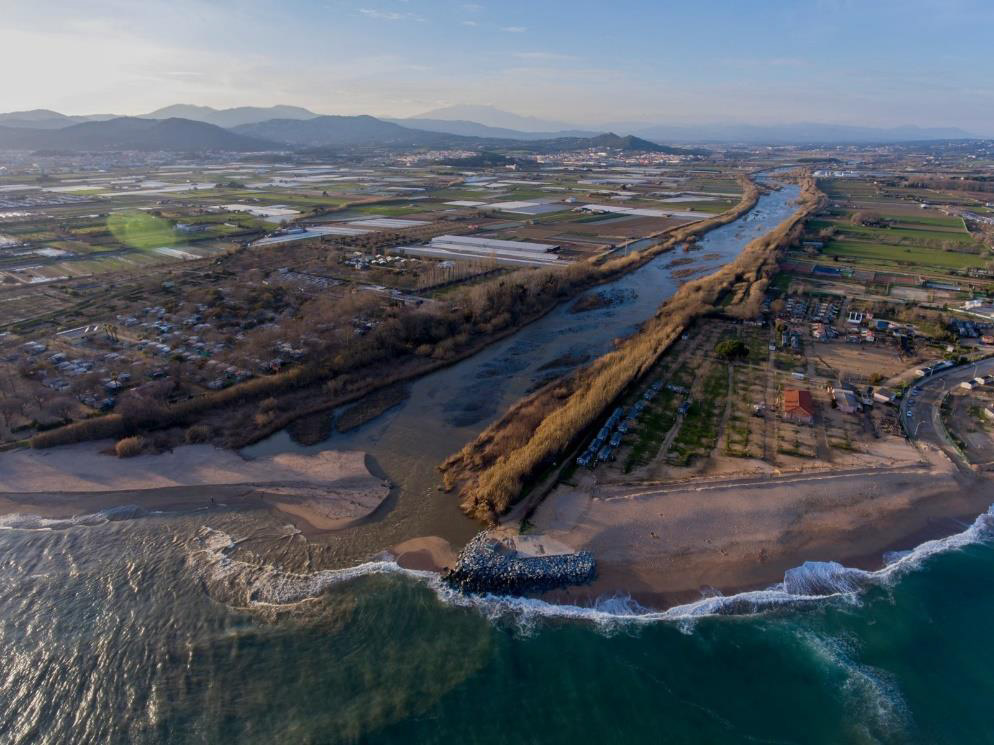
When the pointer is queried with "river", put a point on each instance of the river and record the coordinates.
(450, 407)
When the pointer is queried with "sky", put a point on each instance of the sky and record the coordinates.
(585, 62)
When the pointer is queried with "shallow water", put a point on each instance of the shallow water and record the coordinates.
(449, 408)
(166, 629)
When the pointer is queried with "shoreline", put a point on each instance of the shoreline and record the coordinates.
(898, 529)
(750, 548)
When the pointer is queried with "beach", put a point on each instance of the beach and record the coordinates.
(673, 543)
(324, 491)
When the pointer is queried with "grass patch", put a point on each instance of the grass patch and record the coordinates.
(654, 424)
(698, 433)
(903, 255)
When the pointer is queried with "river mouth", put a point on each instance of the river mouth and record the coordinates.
(450, 407)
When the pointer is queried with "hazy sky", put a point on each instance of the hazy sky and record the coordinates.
(876, 62)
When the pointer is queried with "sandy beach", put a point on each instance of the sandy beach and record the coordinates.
(325, 491)
(672, 543)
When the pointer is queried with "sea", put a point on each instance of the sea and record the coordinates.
(136, 627)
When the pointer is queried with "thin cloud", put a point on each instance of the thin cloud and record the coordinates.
(389, 15)
(515, 29)
(544, 56)
(470, 23)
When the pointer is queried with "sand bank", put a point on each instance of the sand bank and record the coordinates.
(328, 490)
(431, 553)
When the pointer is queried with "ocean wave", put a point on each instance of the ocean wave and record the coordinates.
(247, 585)
(23, 521)
(869, 691)
(813, 582)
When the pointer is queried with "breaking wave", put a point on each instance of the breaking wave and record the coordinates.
(246, 584)
(869, 691)
(21, 521)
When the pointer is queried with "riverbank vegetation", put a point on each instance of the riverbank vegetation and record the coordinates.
(490, 472)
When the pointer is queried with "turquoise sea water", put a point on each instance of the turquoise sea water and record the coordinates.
(151, 629)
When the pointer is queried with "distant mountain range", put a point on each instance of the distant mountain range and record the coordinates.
(46, 119)
(185, 135)
(129, 133)
(185, 127)
(366, 131)
(474, 129)
(347, 131)
(228, 118)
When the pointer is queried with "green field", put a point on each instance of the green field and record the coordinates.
(955, 223)
(903, 255)
(909, 234)
(713, 207)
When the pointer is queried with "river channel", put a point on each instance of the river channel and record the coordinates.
(448, 408)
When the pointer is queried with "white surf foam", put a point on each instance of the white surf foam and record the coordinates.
(244, 584)
(811, 583)
(870, 692)
(26, 521)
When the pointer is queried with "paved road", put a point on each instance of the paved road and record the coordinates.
(919, 409)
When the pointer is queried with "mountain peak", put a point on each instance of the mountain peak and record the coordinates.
(230, 117)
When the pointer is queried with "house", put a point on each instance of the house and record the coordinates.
(798, 406)
(846, 401)
(885, 396)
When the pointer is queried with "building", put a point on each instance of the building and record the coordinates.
(885, 396)
(798, 406)
(846, 401)
(504, 252)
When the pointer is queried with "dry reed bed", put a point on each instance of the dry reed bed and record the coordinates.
(491, 471)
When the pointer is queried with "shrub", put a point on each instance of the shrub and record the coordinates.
(129, 447)
(197, 433)
(731, 349)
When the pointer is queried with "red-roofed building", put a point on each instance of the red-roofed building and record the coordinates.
(798, 406)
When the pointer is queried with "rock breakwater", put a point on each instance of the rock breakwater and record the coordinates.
(486, 565)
